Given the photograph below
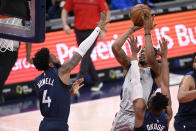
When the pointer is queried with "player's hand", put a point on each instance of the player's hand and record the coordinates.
(134, 48)
(30, 60)
(77, 85)
(102, 23)
(162, 51)
(148, 23)
(135, 28)
(66, 28)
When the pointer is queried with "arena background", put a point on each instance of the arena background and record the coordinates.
(176, 22)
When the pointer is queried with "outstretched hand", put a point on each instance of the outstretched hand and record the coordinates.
(135, 28)
(77, 85)
(148, 23)
(134, 48)
(102, 23)
(162, 51)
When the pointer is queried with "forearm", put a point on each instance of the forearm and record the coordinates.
(186, 96)
(71, 63)
(117, 50)
(87, 43)
(164, 71)
(119, 42)
(64, 16)
(149, 49)
(28, 50)
(107, 19)
(165, 78)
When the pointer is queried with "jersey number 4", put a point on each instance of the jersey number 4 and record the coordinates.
(44, 100)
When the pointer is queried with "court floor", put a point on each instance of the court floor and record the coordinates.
(94, 115)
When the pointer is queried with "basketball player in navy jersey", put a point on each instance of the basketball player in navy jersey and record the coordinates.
(157, 115)
(185, 119)
(149, 70)
(53, 84)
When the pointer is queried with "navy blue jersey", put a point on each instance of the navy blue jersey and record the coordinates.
(54, 96)
(152, 123)
(187, 111)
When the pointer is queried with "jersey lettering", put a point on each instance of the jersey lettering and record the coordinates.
(47, 81)
(44, 100)
(155, 126)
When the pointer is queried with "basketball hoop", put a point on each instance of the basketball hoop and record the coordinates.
(6, 44)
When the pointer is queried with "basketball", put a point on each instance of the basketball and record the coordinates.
(137, 13)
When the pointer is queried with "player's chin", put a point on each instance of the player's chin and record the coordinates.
(57, 65)
(142, 62)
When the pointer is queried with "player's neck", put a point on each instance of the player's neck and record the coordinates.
(155, 113)
(194, 71)
(143, 66)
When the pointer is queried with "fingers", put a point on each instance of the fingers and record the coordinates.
(139, 48)
(154, 26)
(107, 22)
(135, 39)
(159, 51)
(81, 86)
(81, 79)
(152, 17)
(103, 16)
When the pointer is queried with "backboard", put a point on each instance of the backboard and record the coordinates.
(22, 20)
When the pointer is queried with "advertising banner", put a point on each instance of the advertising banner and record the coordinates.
(179, 29)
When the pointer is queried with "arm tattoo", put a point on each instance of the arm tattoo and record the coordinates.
(72, 63)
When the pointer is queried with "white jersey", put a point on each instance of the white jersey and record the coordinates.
(125, 117)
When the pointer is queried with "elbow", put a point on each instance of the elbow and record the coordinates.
(139, 105)
(114, 48)
(181, 98)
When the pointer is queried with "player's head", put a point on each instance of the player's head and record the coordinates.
(142, 56)
(194, 62)
(44, 60)
(158, 102)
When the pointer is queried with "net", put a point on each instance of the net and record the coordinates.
(6, 44)
(29, 20)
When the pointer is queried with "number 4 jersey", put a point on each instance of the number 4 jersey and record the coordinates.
(54, 96)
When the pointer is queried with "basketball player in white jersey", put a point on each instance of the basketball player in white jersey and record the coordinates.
(149, 72)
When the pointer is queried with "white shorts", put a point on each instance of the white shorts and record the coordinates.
(124, 121)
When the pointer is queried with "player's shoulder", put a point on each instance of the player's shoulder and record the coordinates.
(188, 78)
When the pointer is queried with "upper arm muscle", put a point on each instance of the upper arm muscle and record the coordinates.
(121, 57)
(67, 67)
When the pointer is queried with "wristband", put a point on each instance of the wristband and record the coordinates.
(147, 34)
(133, 29)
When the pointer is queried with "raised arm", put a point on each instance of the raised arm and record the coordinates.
(103, 32)
(136, 87)
(64, 16)
(186, 92)
(165, 76)
(67, 67)
(28, 52)
(149, 49)
(117, 50)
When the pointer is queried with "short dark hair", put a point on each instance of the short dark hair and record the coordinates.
(194, 54)
(155, 52)
(41, 59)
(159, 101)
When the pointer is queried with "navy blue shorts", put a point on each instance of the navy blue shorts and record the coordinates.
(188, 125)
(49, 125)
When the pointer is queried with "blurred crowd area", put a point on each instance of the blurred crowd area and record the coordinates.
(54, 7)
